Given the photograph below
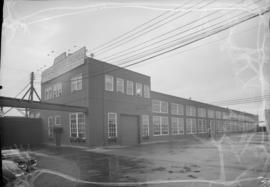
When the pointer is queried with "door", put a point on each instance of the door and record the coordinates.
(129, 129)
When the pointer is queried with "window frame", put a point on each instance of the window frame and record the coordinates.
(138, 89)
(108, 123)
(109, 80)
(145, 125)
(50, 126)
(120, 87)
(130, 88)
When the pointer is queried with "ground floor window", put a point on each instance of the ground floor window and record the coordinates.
(112, 125)
(50, 126)
(202, 126)
(219, 125)
(160, 125)
(145, 126)
(190, 126)
(212, 126)
(77, 125)
(178, 126)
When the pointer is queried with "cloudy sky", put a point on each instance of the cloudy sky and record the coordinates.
(222, 67)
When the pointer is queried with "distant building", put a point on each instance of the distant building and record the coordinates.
(122, 109)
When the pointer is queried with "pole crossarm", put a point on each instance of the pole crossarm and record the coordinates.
(20, 103)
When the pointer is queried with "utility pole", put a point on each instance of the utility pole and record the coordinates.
(31, 92)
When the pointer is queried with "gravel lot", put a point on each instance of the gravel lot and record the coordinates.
(234, 160)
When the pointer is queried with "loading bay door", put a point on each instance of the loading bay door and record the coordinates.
(129, 128)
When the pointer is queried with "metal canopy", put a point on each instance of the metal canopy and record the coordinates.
(20, 103)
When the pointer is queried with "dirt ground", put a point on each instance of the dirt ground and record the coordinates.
(234, 160)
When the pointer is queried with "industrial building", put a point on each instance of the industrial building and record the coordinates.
(122, 109)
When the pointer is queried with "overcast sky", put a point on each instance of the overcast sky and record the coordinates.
(213, 69)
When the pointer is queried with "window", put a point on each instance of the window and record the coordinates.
(191, 126)
(109, 83)
(161, 125)
(120, 85)
(218, 115)
(57, 90)
(77, 125)
(156, 106)
(211, 113)
(138, 89)
(177, 126)
(159, 106)
(48, 93)
(146, 91)
(145, 125)
(164, 107)
(57, 120)
(50, 126)
(177, 109)
(201, 112)
(112, 125)
(129, 87)
(76, 83)
(190, 110)
(202, 126)
(212, 125)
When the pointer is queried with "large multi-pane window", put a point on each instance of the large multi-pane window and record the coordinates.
(138, 89)
(202, 126)
(159, 106)
(76, 83)
(145, 125)
(146, 91)
(190, 110)
(50, 126)
(210, 113)
(177, 109)
(178, 126)
(190, 126)
(48, 93)
(112, 125)
(120, 85)
(202, 112)
(161, 125)
(218, 115)
(109, 83)
(57, 90)
(213, 125)
(77, 125)
(129, 87)
(220, 126)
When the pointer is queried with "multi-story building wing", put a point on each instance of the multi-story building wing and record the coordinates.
(122, 109)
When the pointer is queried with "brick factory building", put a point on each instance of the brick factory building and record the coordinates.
(122, 109)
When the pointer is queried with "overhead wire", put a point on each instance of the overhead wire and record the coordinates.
(178, 41)
(152, 41)
(149, 28)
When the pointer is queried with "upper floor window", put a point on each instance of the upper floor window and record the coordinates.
(201, 112)
(211, 113)
(120, 85)
(218, 115)
(177, 109)
(57, 89)
(129, 87)
(109, 83)
(146, 90)
(190, 110)
(159, 106)
(76, 83)
(138, 89)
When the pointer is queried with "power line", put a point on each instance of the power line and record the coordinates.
(86, 76)
(152, 42)
(179, 41)
(147, 29)
(194, 40)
